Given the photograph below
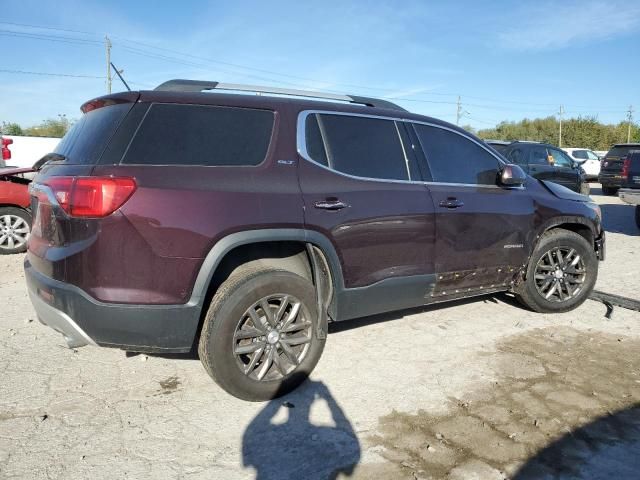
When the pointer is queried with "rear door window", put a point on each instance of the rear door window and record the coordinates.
(173, 134)
(87, 139)
(539, 156)
(517, 156)
(453, 158)
(581, 154)
(361, 146)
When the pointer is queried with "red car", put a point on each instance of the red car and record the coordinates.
(15, 214)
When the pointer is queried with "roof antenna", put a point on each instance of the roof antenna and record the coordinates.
(118, 72)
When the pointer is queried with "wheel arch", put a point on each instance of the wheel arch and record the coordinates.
(305, 252)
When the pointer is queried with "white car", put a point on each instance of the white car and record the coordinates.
(587, 159)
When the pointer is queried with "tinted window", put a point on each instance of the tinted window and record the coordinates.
(539, 156)
(621, 151)
(315, 147)
(455, 159)
(500, 147)
(201, 135)
(87, 139)
(365, 147)
(517, 156)
(581, 154)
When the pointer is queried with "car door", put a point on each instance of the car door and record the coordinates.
(480, 226)
(564, 171)
(363, 191)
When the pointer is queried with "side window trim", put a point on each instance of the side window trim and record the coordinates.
(301, 143)
(404, 151)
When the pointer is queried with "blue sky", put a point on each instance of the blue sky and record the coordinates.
(507, 60)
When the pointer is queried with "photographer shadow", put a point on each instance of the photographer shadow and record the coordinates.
(282, 442)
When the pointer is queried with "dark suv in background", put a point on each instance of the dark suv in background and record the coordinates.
(611, 167)
(243, 224)
(545, 162)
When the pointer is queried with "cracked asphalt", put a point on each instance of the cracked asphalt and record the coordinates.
(480, 389)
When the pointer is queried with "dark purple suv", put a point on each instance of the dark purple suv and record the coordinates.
(244, 224)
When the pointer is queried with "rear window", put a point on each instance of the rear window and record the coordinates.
(581, 154)
(622, 151)
(87, 139)
(201, 135)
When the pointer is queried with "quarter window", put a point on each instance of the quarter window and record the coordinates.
(454, 158)
(360, 146)
(173, 134)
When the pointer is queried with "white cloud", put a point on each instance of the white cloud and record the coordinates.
(553, 25)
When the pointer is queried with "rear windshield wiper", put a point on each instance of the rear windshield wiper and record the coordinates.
(49, 157)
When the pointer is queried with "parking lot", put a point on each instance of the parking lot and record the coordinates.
(476, 389)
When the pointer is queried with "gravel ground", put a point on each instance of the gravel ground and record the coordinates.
(478, 389)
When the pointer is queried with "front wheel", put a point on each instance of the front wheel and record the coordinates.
(609, 191)
(561, 274)
(259, 338)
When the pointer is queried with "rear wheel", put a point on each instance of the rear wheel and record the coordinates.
(15, 226)
(259, 337)
(561, 274)
(609, 190)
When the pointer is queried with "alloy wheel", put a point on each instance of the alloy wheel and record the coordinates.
(14, 232)
(272, 338)
(560, 274)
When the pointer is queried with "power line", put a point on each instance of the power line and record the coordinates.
(24, 72)
(155, 55)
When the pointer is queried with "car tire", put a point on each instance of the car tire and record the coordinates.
(236, 311)
(638, 216)
(585, 188)
(549, 271)
(609, 190)
(15, 227)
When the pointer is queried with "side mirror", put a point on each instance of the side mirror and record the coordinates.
(512, 176)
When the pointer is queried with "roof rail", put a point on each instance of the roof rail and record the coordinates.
(195, 86)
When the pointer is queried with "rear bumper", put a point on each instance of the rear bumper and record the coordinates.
(83, 320)
(629, 196)
(610, 180)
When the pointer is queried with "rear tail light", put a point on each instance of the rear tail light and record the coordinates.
(6, 153)
(91, 196)
(626, 166)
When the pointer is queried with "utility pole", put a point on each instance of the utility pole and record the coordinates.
(560, 113)
(630, 120)
(458, 111)
(107, 44)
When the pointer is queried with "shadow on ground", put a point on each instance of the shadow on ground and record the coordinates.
(547, 414)
(607, 448)
(304, 434)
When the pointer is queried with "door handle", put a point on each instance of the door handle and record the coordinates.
(331, 205)
(451, 203)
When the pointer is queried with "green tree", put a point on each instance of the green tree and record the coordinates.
(50, 128)
(11, 128)
(585, 132)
